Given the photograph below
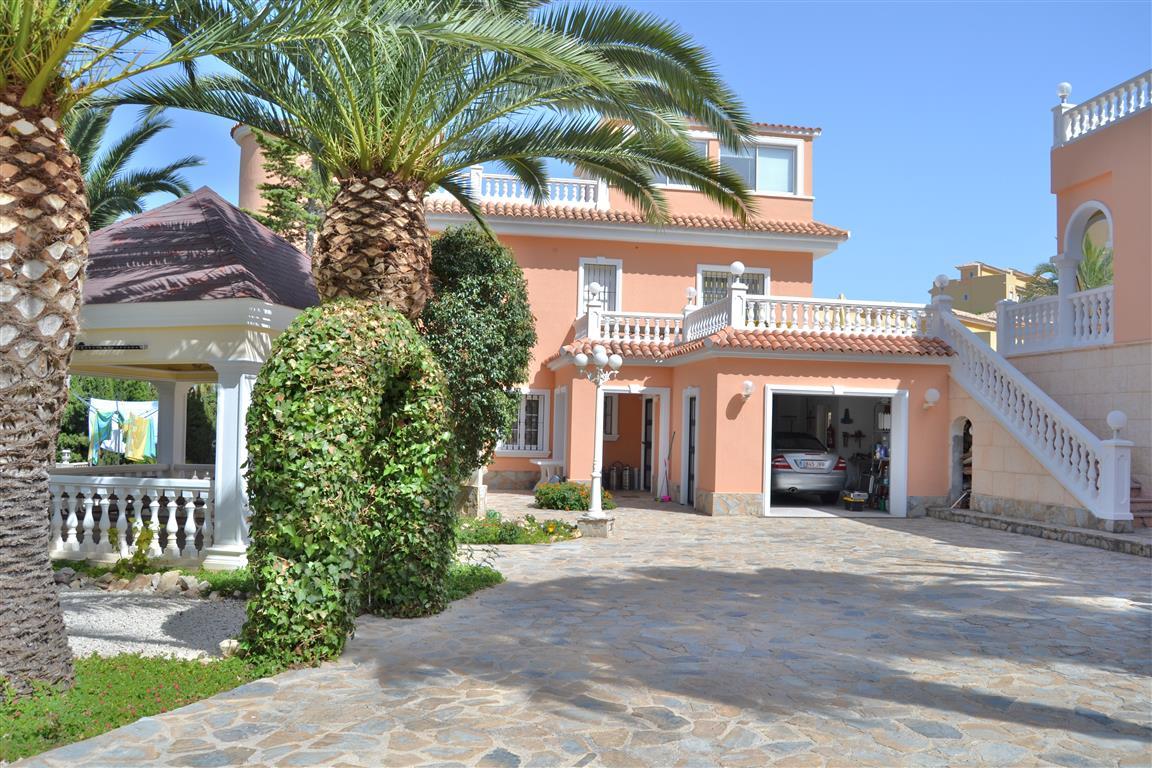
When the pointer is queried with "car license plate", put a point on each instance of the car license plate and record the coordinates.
(809, 464)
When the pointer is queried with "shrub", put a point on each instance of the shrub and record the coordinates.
(481, 329)
(466, 578)
(348, 437)
(570, 496)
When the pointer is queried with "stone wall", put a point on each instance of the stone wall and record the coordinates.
(1089, 383)
(729, 504)
(511, 480)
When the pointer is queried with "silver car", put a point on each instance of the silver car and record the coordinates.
(801, 464)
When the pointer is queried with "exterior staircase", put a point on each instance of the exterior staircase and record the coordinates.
(1095, 471)
(1140, 505)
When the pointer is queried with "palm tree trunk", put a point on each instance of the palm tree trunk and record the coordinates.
(43, 250)
(374, 244)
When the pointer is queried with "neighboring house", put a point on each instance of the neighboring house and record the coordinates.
(980, 286)
(724, 347)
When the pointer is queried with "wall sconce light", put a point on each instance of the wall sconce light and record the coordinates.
(931, 397)
(746, 388)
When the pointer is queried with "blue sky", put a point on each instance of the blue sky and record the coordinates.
(936, 117)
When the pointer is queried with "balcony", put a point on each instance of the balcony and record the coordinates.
(1081, 319)
(742, 311)
(506, 188)
(1072, 122)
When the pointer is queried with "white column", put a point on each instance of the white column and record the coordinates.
(172, 421)
(595, 506)
(736, 293)
(1066, 265)
(593, 308)
(230, 529)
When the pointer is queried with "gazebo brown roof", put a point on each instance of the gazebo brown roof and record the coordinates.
(198, 247)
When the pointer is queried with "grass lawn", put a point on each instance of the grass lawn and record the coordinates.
(116, 691)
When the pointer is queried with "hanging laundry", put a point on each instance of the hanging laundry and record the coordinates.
(108, 426)
(140, 439)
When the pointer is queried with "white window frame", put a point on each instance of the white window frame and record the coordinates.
(582, 307)
(796, 145)
(727, 268)
(612, 419)
(545, 424)
(704, 136)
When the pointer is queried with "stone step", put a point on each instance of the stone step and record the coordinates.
(1139, 544)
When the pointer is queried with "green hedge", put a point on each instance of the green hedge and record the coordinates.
(481, 328)
(348, 438)
(570, 496)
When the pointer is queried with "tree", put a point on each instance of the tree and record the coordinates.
(1093, 271)
(54, 55)
(480, 326)
(297, 194)
(114, 190)
(391, 116)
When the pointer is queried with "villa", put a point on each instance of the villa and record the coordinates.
(725, 348)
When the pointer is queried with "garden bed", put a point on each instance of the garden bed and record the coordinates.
(491, 529)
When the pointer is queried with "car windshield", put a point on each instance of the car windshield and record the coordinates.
(797, 442)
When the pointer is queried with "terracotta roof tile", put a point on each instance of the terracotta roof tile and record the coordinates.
(773, 341)
(448, 205)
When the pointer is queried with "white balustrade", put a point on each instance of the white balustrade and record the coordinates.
(640, 327)
(1095, 471)
(1034, 326)
(707, 320)
(179, 471)
(1126, 99)
(507, 188)
(91, 516)
(840, 316)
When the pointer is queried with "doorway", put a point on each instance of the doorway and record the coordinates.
(647, 436)
(822, 443)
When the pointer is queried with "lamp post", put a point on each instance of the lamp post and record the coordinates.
(598, 369)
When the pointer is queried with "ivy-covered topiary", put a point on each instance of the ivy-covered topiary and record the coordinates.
(348, 439)
(481, 328)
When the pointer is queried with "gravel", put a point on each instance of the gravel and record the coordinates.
(109, 623)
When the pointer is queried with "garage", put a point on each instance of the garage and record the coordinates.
(824, 443)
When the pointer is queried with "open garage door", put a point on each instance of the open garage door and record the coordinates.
(833, 453)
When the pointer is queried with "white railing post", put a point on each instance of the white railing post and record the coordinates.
(1116, 471)
(592, 310)
(1005, 332)
(1066, 286)
(601, 195)
(737, 291)
(476, 180)
(942, 308)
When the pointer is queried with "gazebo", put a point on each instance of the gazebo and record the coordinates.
(191, 292)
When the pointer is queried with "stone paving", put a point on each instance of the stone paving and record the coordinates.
(694, 641)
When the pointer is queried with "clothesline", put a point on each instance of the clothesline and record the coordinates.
(121, 426)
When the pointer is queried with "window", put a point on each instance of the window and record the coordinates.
(606, 272)
(764, 168)
(712, 283)
(611, 416)
(700, 145)
(529, 432)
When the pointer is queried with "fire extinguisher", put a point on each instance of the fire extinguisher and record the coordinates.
(831, 437)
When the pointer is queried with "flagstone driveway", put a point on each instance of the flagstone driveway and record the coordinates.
(692, 641)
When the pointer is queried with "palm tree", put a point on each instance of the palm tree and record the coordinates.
(113, 190)
(54, 55)
(606, 88)
(1093, 271)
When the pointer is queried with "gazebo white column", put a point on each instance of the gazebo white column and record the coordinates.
(230, 530)
(172, 421)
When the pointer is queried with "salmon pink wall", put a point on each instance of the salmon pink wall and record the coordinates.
(1111, 166)
(740, 424)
